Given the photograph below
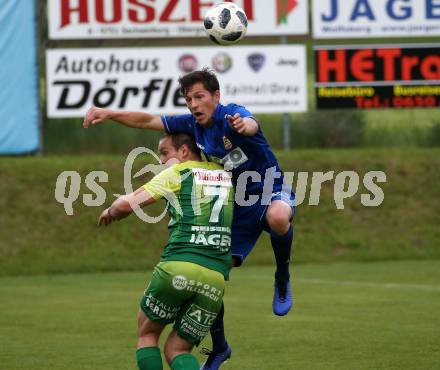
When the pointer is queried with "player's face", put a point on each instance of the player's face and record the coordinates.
(202, 103)
(167, 151)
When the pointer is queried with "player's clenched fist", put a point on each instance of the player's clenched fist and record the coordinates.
(96, 115)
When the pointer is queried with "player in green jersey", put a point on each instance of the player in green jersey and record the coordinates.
(188, 283)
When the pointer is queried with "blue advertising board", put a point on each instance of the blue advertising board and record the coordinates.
(19, 131)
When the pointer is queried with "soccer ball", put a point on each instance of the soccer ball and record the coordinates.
(225, 23)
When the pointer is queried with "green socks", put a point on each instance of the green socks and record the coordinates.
(184, 361)
(148, 358)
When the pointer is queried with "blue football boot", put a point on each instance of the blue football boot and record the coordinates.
(282, 298)
(215, 359)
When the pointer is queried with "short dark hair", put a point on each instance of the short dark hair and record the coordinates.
(177, 140)
(206, 76)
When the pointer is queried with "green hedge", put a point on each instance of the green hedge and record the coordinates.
(315, 129)
(38, 237)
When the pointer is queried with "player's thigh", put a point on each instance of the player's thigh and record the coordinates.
(244, 238)
(246, 229)
(199, 313)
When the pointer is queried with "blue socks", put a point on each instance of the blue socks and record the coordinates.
(218, 332)
(282, 246)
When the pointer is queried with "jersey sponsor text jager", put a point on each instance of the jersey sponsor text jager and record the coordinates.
(200, 198)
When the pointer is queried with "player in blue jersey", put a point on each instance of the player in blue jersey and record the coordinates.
(232, 136)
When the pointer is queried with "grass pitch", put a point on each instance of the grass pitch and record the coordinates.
(353, 316)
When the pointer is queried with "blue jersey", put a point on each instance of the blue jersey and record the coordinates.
(224, 145)
(238, 153)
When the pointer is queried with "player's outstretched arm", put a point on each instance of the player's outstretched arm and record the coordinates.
(142, 120)
(243, 125)
(124, 206)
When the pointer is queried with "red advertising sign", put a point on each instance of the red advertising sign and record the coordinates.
(91, 19)
(383, 76)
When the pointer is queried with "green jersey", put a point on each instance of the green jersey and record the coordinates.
(200, 205)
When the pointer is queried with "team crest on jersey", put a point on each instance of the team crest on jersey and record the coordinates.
(227, 143)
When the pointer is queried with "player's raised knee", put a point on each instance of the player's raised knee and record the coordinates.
(278, 217)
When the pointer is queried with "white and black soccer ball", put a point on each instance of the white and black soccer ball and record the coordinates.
(225, 23)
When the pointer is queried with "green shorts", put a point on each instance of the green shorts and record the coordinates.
(187, 294)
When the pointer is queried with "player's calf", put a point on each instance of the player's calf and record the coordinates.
(278, 217)
(178, 353)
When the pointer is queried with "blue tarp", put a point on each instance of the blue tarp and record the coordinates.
(19, 132)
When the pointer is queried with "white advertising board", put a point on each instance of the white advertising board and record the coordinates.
(265, 79)
(375, 18)
(98, 19)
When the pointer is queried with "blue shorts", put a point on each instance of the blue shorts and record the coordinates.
(249, 222)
